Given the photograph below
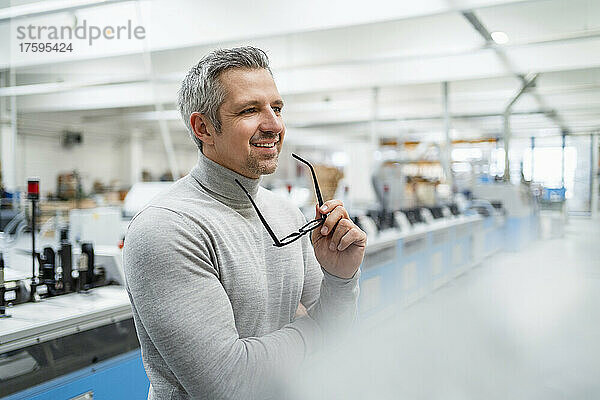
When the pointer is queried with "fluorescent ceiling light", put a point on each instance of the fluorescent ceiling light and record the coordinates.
(500, 37)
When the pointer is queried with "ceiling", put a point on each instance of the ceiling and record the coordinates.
(346, 71)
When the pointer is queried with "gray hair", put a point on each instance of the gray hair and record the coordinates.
(201, 91)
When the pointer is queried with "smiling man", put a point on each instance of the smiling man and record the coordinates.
(255, 143)
(220, 312)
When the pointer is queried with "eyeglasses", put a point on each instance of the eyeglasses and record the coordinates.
(306, 228)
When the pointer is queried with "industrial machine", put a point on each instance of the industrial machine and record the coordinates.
(66, 326)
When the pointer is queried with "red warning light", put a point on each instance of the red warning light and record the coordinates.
(33, 189)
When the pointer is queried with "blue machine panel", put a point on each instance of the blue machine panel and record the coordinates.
(121, 377)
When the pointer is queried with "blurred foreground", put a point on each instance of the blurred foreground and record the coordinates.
(521, 326)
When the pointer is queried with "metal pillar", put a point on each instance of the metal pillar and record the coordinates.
(135, 156)
(8, 130)
(375, 115)
(562, 161)
(528, 82)
(165, 133)
(447, 156)
(594, 192)
(506, 140)
(532, 156)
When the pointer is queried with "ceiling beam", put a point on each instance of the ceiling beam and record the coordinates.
(482, 30)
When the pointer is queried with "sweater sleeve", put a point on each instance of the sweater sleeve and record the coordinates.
(331, 301)
(173, 284)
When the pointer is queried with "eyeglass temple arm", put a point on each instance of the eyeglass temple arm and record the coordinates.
(262, 219)
(312, 171)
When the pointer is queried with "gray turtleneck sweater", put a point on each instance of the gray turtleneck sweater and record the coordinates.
(214, 301)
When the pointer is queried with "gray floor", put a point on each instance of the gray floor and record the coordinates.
(520, 326)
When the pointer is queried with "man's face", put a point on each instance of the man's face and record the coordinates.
(252, 129)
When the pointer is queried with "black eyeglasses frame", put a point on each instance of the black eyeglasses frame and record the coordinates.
(304, 229)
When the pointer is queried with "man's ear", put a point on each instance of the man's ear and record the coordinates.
(202, 127)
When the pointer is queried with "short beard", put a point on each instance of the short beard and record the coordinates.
(261, 168)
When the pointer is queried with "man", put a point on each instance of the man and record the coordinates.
(220, 312)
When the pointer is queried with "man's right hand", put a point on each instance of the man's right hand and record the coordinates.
(301, 311)
(339, 244)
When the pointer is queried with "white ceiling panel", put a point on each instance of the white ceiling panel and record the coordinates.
(542, 20)
(329, 59)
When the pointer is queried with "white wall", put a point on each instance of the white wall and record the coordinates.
(358, 172)
(104, 159)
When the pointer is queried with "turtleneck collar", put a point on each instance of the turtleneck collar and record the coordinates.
(220, 180)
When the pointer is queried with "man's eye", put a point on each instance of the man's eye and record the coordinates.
(277, 109)
(248, 110)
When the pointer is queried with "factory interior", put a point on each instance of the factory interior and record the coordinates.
(462, 136)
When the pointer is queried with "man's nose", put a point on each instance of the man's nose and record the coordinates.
(270, 122)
